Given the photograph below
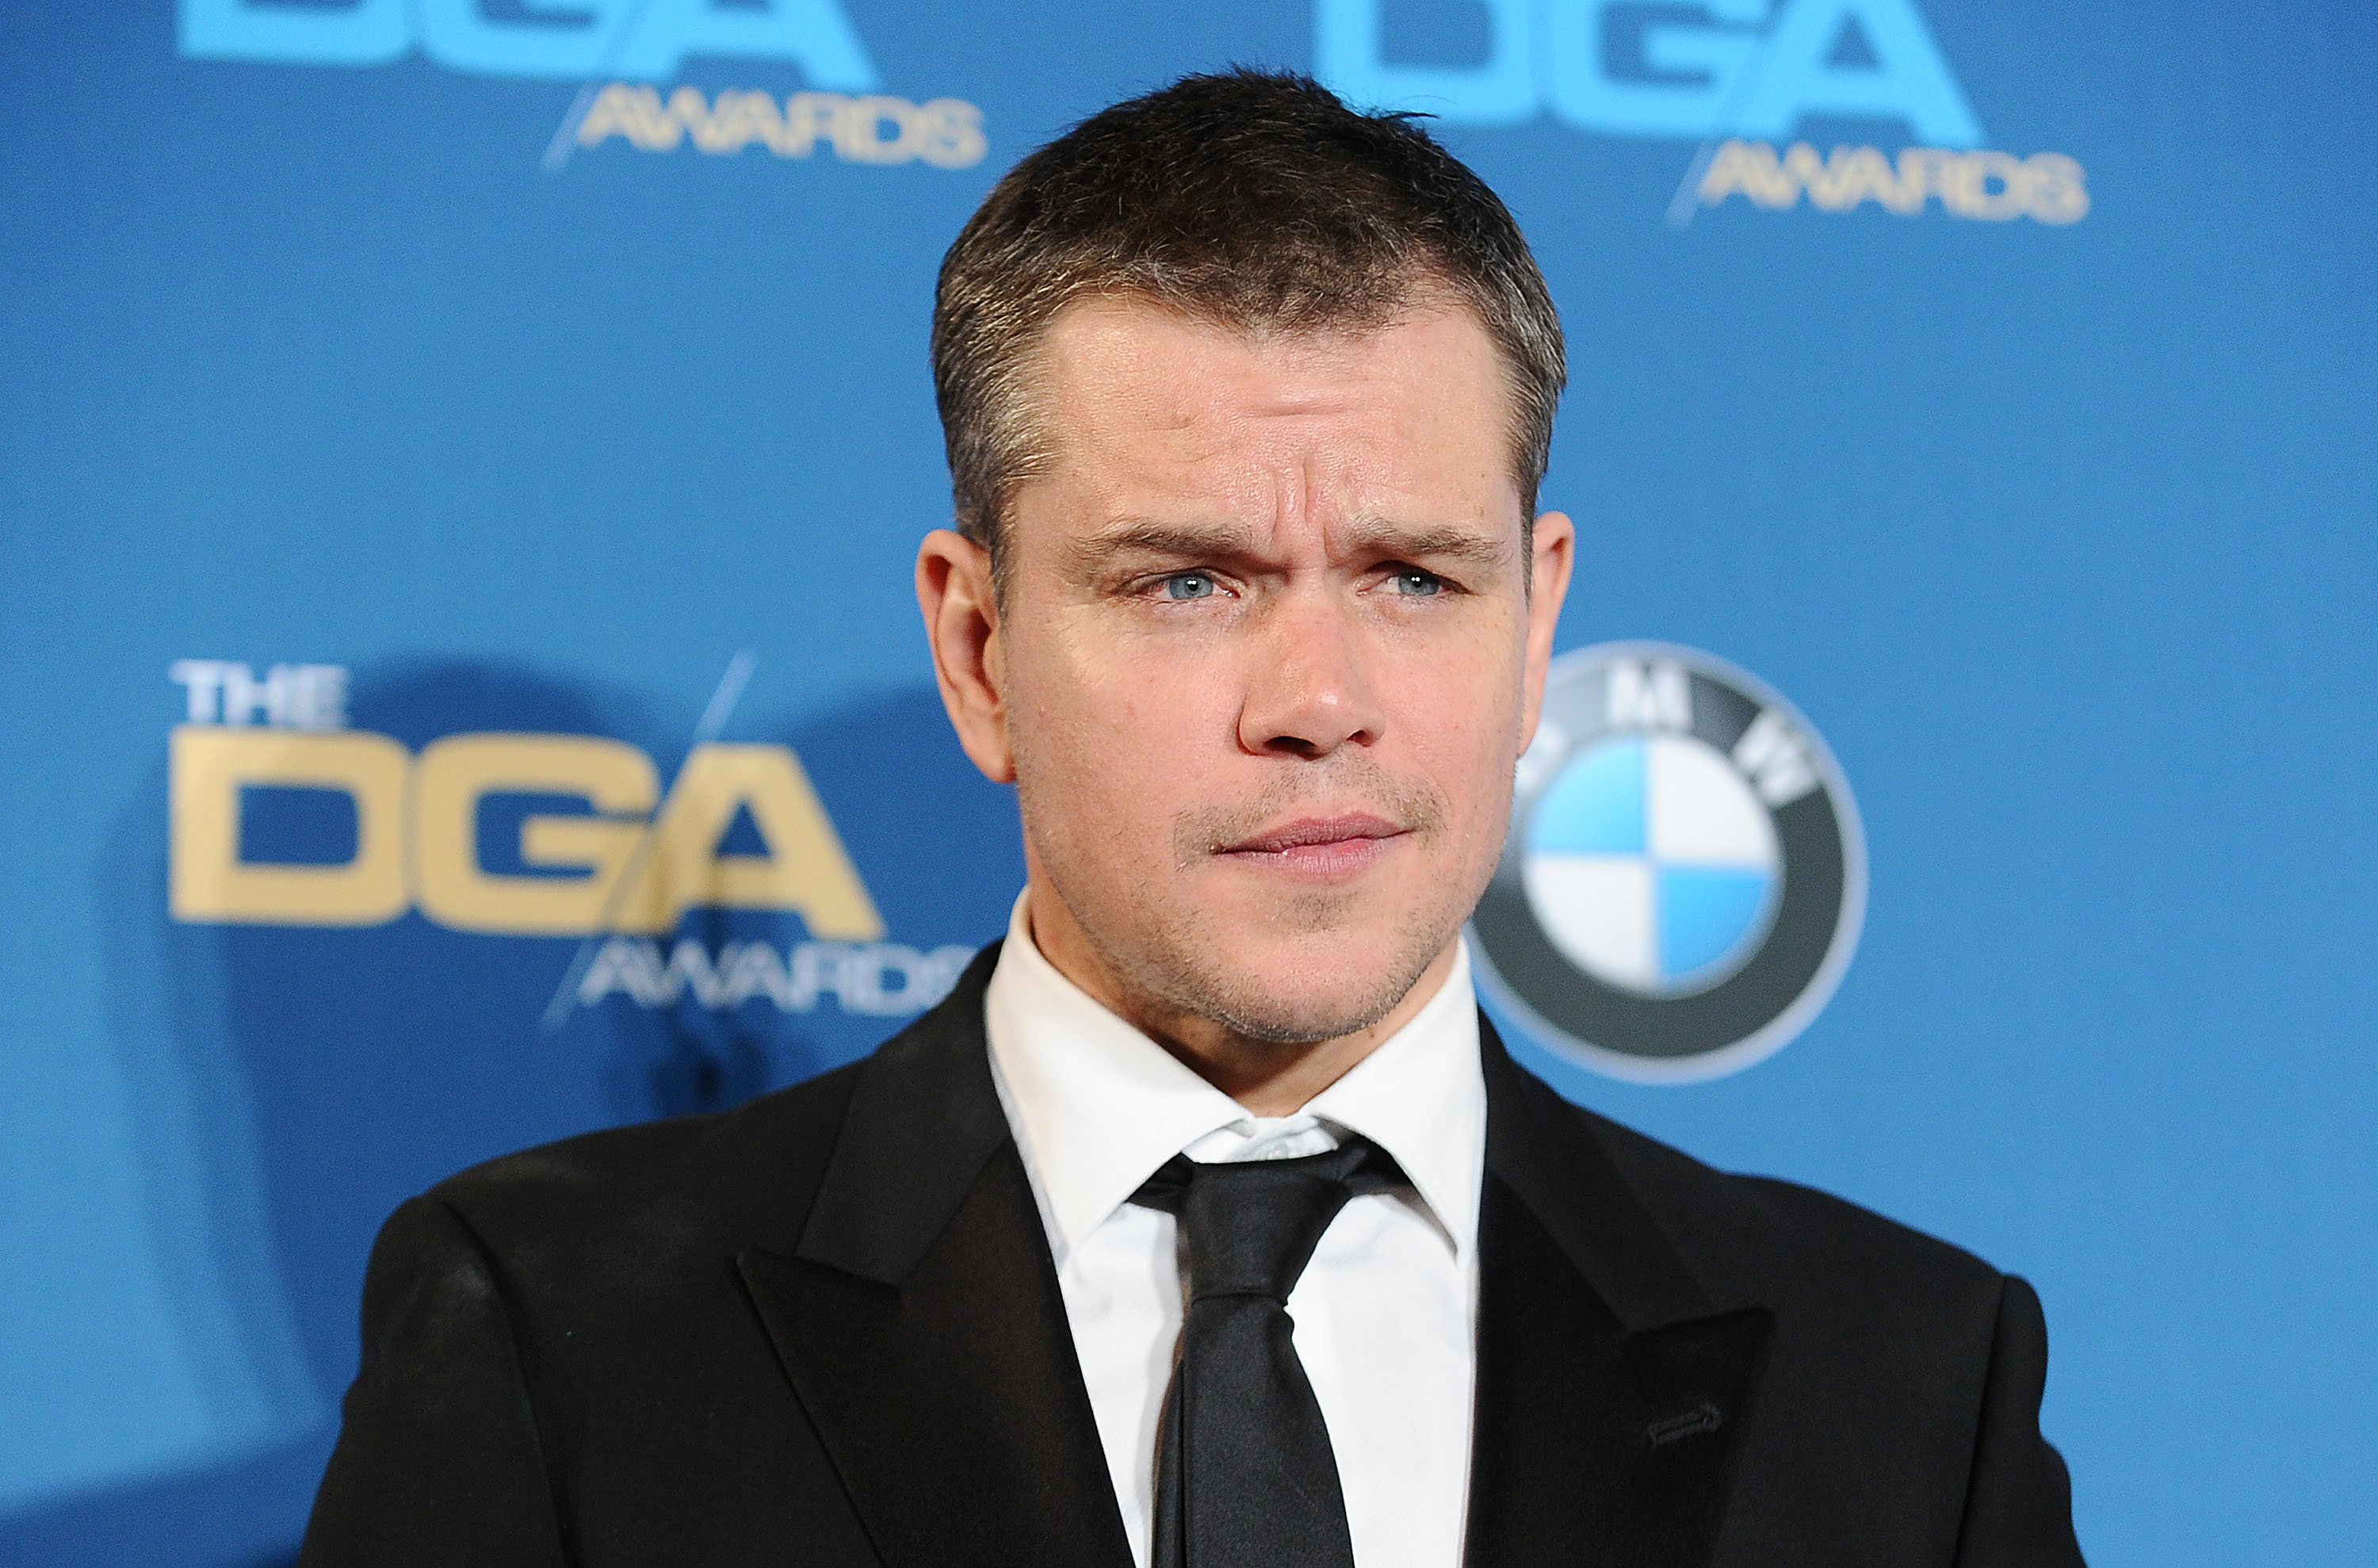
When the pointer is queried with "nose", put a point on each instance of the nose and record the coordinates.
(1310, 689)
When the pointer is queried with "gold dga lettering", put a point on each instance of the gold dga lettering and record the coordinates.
(1750, 168)
(805, 872)
(634, 111)
(453, 775)
(808, 116)
(947, 133)
(1835, 184)
(950, 134)
(1994, 187)
(859, 137)
(739, 119)
(736, 121)
(615, 112)
(2060, 193)
(208, 879)
(1967, 189)
(691, 110)
(1807, 172)
(1923, 170)
(1863, 173)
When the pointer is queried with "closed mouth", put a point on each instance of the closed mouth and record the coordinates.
(1325, 845)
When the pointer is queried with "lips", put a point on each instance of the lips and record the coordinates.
(1322, 850)
(1317, 833)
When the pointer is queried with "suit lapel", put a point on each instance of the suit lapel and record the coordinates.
(920, 1322)
(1612, 1393)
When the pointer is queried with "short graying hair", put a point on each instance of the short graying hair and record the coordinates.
(1254, 199)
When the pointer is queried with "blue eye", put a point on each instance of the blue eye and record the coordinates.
(1412, 582)
(1189, 586)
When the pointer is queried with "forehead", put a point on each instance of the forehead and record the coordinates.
(1126, 387)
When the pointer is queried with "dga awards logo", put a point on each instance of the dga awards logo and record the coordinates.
(624, 52)
(1745, 79)
(282, 815)
(1685, 875)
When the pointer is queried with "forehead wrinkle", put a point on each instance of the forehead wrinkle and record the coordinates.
(1251, 447)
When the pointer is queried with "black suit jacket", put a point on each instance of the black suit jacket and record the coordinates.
(825, 1329)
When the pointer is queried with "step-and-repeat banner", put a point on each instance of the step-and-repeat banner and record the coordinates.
(459, 467)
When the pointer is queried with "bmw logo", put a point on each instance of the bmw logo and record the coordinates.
(1685, 875)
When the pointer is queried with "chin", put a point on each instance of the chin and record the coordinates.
(1312, 991)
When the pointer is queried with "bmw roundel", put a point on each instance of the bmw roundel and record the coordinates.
(1685, 876)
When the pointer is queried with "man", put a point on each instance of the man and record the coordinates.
(1206, 1223)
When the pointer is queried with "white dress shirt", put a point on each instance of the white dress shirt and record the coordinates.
(1386, 1313)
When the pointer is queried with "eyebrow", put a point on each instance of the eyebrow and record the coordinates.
(1369, 536)
(1443, 542)
(1146, 535)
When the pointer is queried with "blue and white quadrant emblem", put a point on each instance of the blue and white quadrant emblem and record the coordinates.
(1650, 863)
(1685, 876)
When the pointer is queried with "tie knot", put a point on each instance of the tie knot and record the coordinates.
(1250, 1227)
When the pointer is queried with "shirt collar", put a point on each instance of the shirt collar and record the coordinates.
(1097, 1105)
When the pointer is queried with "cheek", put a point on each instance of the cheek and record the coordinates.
(1474, 763)
(1461, 721)
(1127, 737)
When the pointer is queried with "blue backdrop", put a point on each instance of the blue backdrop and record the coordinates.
(1993, 380)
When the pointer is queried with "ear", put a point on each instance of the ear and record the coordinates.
(954, 590)
(1555, 556)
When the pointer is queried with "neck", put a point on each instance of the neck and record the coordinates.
(1269, 1078)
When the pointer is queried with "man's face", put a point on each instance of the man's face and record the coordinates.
(1267, 657)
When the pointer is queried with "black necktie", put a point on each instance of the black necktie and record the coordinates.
(1244, 1474)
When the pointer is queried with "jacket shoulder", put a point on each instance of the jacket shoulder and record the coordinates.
(1899, 1407)
(640, 1200)
(1812, 1254)
(747, 1173)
